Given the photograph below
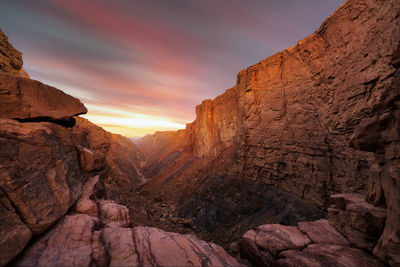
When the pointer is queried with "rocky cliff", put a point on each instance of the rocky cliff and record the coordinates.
(315, 119)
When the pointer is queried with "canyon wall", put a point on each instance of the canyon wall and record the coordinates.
(318, 118)
(291, 116)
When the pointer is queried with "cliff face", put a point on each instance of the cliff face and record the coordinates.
(318, 118)
(291, 116)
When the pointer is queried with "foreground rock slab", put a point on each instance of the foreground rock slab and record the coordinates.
(100, 235)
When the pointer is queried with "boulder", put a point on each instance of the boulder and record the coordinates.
(321, 255)
(275, 238)
(28, 100)
(322, 232)
(250, 251)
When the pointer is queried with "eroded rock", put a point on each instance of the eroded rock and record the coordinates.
(321, 255)
(29, 100)
(322, 232)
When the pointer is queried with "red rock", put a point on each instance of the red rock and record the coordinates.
(113, 214)
(361, 222)
(40, 174)
(14, 234)
(85, 203)
(321, 232)
(10, 58)
(27, 99)
(250, 251)
(275, 238)
(86, 159)
(73, 242)
(327, 255)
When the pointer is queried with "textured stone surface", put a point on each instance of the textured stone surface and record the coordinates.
(39, 171)
(26, 99)
(275, 238)
(361, 222)
(84, 240)
(321, 232)
(14, 234)
(10, 58)
(316, 244)
(290, 118)
(327, 255)
(71, 243)
(86, 159)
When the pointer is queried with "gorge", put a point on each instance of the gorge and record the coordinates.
(297, 165)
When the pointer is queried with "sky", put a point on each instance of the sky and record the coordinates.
(143, 66)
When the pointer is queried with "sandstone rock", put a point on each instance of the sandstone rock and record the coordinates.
(86, 159)
(275, 238)
(157, 247)
(79, 240)
(39, 174)
(113, 214)
(86, 203)
(14, 234)
(327, 255)
(73, 242)
(358, 220)
(10, 58)
(321, 232)
(30, 100)
(250, 251)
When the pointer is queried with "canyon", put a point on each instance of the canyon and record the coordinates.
(298, 164)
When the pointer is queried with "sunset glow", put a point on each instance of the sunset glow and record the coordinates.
(143, 66)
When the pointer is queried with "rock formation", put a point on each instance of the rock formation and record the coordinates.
(316, 119)
(103, 237)
(340, 241)
(28, 100)
(10, 58)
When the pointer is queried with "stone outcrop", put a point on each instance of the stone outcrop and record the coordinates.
(85, 239)
(10, 58)
(361, 222)
(315, 243)
(28, 100)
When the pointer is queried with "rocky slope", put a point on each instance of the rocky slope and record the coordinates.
(318, 118)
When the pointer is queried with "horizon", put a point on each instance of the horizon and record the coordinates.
(143, 67)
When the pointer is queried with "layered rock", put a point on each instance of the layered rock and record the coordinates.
(10, 58)
(28, 100)
(315, 243)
